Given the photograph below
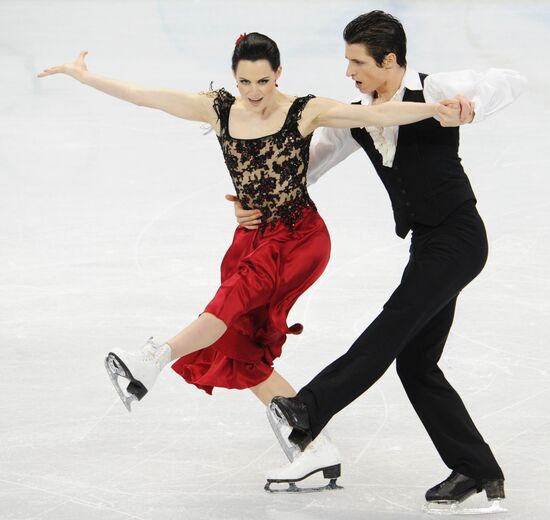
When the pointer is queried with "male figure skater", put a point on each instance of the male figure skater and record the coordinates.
(432, 197)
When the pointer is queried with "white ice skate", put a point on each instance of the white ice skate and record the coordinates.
(141, 368)
(320, 455)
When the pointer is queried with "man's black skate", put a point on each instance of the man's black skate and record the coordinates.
(293, 413)
(447, 496)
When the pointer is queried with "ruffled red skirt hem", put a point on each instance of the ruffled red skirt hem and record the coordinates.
(262, 276)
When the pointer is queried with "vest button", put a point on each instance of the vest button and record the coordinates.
(408, 204)
(403, 191)
(395, 167)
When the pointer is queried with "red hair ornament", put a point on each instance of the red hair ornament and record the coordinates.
(240, 39)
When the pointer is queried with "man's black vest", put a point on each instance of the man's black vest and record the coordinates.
(427, 181)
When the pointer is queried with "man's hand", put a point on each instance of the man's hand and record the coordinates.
(247, 218)
(449, 112)
(457, 111)
(467, 109)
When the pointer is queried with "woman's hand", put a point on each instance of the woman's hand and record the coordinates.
(74, 69)
(187, 105)
(247, 218)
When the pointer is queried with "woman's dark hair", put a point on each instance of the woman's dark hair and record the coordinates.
(381, 33)
(255, 46)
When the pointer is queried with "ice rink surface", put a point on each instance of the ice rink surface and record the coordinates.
(113, 225)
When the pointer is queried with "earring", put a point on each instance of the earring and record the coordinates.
(276, 84)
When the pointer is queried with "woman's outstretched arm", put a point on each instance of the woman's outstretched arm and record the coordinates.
(186, 105)
(331, 113)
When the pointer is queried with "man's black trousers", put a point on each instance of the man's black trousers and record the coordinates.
(412, 329)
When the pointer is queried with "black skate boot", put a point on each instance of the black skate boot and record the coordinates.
(288, 413)
(293, 411)
(447, 495)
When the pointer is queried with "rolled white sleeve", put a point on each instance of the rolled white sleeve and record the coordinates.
(329, 147)
(491, 90)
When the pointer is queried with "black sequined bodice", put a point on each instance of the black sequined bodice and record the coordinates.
(269, 173)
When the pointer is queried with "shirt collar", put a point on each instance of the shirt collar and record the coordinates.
(410, 81)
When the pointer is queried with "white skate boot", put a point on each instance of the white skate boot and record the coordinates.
(320, 455)
(141, 368)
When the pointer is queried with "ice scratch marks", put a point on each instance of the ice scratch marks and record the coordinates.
(237, 470)
(515, 404)
(162, 214)
(72, 499)
(378, 430)
(501, 351)
(509, 440)
(96, 423)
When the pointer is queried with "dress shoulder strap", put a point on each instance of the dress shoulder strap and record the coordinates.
(296, 109)
(222, 104)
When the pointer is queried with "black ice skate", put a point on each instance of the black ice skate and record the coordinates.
(321, 455)
(282, 431)
(290, 423)
(447, 496)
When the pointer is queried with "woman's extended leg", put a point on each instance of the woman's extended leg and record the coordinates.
(142, 368)
(201, 333)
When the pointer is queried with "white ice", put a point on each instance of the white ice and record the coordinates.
(113, 225)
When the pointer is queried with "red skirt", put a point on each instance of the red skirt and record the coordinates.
(262, 276)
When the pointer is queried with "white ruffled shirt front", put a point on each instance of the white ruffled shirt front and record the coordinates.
(385, 138)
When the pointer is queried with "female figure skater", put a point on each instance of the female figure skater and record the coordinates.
(264, 135)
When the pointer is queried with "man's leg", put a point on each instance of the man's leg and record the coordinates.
(443, 261)
(437, 404)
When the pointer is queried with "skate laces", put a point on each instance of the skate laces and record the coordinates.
(152, 352)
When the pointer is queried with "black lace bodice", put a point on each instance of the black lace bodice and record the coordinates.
(269, 172)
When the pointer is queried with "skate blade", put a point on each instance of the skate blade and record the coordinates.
(293, 488)
(282, 430)
(115, 369)
(456, 508)
(331, 473)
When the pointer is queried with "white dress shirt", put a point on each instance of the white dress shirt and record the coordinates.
(490, 91)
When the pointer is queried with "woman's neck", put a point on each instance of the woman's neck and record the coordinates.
(278, 100)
